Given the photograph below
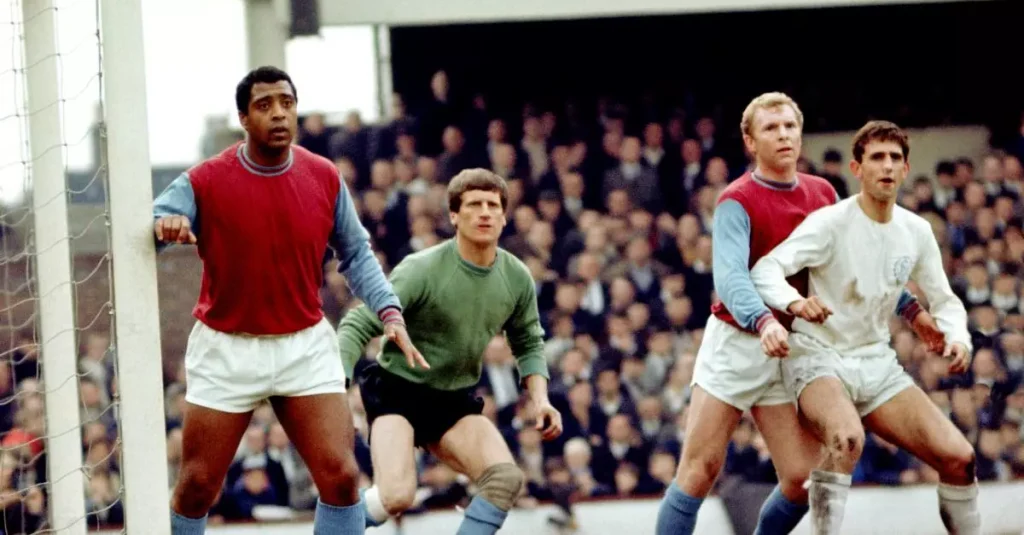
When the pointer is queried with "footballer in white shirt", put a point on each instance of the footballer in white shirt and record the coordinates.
(860, 253)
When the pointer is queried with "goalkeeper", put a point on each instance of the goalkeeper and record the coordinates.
(457, 296)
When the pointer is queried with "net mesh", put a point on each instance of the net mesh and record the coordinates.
(24, 482)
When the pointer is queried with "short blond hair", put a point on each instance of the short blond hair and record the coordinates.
(770, 100)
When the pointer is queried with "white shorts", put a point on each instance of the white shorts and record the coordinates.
(235, 372)
(870, 379)
(732, 368)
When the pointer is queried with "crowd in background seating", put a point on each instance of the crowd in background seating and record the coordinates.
(613, 216)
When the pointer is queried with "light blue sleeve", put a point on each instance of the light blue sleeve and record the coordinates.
(730, 264)
(177, 198)
(351, 242)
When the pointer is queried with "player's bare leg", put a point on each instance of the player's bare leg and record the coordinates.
(321, 428)
(394, 469)
(210, 440)
(831, 415)
(911, 421)
(795, 452)
(474, 447)
(709, 426)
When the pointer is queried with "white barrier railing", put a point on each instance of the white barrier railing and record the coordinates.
(903, 510)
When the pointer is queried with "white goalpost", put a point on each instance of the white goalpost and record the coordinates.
(132, 305)
(137, 318)
(53, 274)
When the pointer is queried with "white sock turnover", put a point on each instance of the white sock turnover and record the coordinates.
(958, 507)
(827, 496)
(374, 505)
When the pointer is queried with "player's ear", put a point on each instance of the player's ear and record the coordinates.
(855, 167)
(453, 218)
(243, 119)
(748, 143)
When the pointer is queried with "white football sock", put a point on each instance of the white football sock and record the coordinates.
(421, 496)
(958, 506)
(374, 505)
(827, 496)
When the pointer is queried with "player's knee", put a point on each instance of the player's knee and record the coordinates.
(195, 491)
(794, 489)
(793, 475)
(698, 470)
(959, 463)
(846, 443)
(397, 497)
(500, 485)
(340, 475)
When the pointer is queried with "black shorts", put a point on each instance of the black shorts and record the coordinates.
(430, 411)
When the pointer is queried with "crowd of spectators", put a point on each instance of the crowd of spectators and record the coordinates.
(613, 216)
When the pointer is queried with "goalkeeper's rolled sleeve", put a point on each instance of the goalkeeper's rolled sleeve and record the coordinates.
(532, 364)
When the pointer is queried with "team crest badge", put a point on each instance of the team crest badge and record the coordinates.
(901, 269)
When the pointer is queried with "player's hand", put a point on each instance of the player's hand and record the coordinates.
(549, 421)
(775, 339)
(35, 502)
(174, 229)
(810, 309)
(928, 331)
(959, 356)
(396, 333)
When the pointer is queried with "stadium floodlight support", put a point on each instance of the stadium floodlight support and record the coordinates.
(134, 281)
(266, 30)
(52, 246)
(385, 78)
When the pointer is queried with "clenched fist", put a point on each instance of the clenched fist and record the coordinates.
(810, 309)
(174, 229)
(775, 339)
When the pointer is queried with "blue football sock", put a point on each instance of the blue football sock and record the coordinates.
(181, 525)
(482, 518)
(339, 520)
(677, 514)
(779, 516)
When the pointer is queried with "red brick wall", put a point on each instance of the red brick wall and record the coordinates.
(178, 274)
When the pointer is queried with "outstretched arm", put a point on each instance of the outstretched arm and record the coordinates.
(809, 246)
(360, 325)
(526, 339)
(946, 307)
(730, 266)
(365, 277)
(355, 330)
(177, 199)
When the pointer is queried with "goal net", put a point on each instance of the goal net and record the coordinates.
(81, 412)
